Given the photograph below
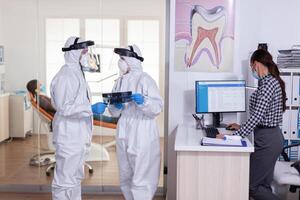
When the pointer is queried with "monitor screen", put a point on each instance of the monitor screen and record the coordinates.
(220, 96)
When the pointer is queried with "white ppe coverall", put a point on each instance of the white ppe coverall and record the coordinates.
(72, 126)
(138, 144)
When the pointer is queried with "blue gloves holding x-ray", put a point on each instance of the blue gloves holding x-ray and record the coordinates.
(138, 98)
(99, 108)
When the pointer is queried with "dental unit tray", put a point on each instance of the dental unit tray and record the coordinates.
(117, 97)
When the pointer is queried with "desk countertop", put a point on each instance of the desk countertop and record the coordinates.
(4, 94)
(189, 138)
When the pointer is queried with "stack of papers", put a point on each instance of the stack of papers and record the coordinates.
(206, 141)
(289, 57)
(232, 137)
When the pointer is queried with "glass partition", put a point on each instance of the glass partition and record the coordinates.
(31, 42)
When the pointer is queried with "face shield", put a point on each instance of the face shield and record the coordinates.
(128, 52)
(89, 61)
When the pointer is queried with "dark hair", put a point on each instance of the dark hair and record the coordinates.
(31, 86)
(265, 58)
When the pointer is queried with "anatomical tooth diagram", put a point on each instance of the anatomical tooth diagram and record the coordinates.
(206, 29)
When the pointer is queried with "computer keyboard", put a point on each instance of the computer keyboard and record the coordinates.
(211, 132)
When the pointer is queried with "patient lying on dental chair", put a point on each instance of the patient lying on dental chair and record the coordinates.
(45, 102)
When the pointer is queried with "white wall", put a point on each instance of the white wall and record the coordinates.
(279, 23)
(272, 21)
(20, 41)
(1, 23)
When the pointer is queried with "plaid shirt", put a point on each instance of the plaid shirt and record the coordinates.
(265, 106)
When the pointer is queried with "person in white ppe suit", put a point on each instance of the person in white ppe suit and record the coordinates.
(73, 121)
(138, 144)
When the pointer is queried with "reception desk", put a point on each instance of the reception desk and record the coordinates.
(210, 172)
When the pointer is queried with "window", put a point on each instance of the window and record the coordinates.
(145, 33)
(57, 32)
(103, 31)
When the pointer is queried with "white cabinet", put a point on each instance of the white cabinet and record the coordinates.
(295, 88)
(286, 129)
(2, 70)
(4, 117)
(294, 123)
(2, 78)
(291, 118)
(1, 55)
(20, 120)
(287, 78)
(290, 126)
(202, 169)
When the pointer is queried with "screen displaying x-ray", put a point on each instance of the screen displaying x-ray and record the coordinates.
(220, 96)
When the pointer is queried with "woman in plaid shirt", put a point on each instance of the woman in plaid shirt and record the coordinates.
(267, 105)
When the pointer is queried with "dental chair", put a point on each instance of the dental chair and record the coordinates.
(286, 174)
(46, 120)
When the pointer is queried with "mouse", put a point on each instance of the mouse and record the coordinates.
(229, 128)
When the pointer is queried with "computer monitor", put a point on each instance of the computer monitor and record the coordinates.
(216, 97)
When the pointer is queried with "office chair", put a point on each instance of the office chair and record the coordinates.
(286, 174)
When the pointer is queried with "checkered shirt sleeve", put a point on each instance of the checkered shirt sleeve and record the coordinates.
(265, 106)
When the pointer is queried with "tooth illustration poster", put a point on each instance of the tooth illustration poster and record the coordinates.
(204, 35)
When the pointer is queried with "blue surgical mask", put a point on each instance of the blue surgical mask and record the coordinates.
(255, 75)
(43, 88)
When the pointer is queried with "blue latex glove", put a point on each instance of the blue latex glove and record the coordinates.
(99, 108)
(138, 98)
(118, 106)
